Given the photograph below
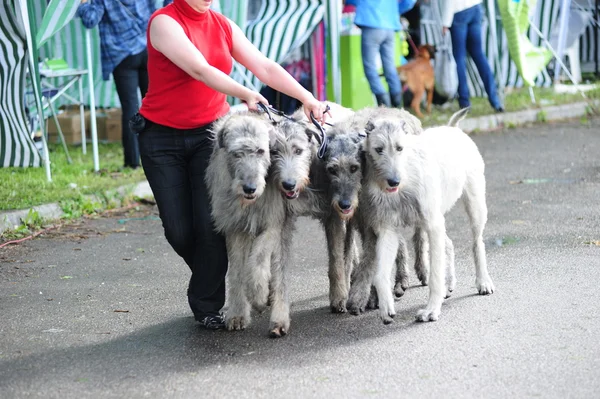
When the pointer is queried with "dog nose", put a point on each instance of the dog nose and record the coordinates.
(393, 182)
(344, 204)
(249, 188)
(289, 184)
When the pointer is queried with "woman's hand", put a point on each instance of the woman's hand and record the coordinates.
(317, 108)
(252, 100)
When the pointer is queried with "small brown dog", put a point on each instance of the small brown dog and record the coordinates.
(419, 76)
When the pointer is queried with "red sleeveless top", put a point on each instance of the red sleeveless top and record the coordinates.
(174, 98)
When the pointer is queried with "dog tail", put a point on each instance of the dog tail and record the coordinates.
(458, 116)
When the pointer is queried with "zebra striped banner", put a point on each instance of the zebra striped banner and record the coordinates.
(16, 146)
(280, 27)
(588, 44)
(57, 15)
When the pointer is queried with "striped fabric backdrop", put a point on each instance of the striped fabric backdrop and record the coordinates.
(16, 147)
(59, 13)
(588, 44)
(69, 43)
(280, 27)
(545, 17)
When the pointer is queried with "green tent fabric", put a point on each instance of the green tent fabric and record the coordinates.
(280, 27)
(16, 145)
(58, 14)
(530, 60)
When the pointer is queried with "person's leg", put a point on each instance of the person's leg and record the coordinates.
(458, 32)
(475, 49)
(370, 42)
(165, 166)
(388, 62)
(126, 82)
(206, 292)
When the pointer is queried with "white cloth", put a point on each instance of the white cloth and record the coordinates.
(451, 7)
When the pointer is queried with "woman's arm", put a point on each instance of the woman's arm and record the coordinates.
(273, 74)
(90, 12)
(168, 37)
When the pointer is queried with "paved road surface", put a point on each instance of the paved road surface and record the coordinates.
(99, 309)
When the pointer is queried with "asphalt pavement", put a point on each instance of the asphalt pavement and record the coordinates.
(98, 309)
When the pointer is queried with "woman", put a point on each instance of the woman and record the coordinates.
(122, 26)
(190, 50)
(463, 19)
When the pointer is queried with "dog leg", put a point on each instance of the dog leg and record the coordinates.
(474, 200)
(280, 309)
(362, 276)
(437, 287)
(238, 313)
(416, 102)
(387, 249)
(421, 245)
(259, 268)
(351, 255)
(373, 302)
(450, 272)
(335, 231)
(429, 99)
(401, 268)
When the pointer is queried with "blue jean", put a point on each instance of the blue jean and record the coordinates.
(130, 75)
(466, 37)
(175, 163)
(380, 41)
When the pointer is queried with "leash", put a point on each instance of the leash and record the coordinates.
(322, 139)
(412, 43)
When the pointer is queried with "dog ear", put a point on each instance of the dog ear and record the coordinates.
(369, 127)
(272, 137)
(432, 51)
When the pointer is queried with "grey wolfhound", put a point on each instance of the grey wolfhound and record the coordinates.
(414, 180)
(251, 214)
(335, 184)
(325, 189)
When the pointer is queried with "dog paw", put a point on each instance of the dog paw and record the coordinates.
(236, 323)
(339, 308)
(355, 309)
(278, 330)
(485, 286)
(373, 302)
(399, 290)
(450, 283)
(423, 278)
(428, 314)
(387, 317)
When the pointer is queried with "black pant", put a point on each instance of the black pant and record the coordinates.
(175, 163)
(130, 75)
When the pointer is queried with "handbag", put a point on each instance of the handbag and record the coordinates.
(446, 77)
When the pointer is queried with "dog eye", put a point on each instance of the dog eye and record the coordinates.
(379, 150)
(399, 148)
(353, 169)
(332, 170)
(260, 151)
(238, 154)
(298, 151)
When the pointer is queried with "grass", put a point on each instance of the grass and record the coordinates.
(517, 100)
(22, 188)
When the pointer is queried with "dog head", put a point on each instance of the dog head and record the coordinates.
(244, 139)
(343, 163)
(427, 51)
(387, 136)
(292, 154)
